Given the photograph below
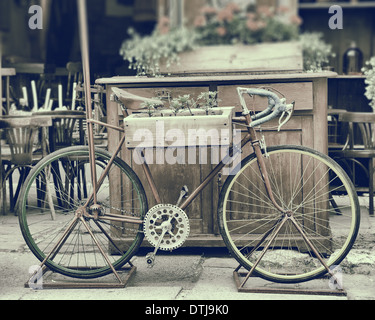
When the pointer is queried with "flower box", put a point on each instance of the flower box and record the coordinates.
(180, 130)
(265, 57)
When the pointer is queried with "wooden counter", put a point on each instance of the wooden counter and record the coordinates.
(308, 127)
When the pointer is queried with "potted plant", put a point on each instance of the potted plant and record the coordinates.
(202, 116)
(206, 104)
(209, 101)
(316, 52)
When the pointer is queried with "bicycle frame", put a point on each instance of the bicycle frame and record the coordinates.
(250, 137)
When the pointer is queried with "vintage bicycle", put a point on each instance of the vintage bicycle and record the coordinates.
(288, 214)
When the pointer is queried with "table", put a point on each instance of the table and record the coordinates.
(307, 127)
(32, 68)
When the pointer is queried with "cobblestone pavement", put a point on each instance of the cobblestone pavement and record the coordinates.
(185, 275)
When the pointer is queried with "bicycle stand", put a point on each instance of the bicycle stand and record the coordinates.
(58, 281)
(277, 288)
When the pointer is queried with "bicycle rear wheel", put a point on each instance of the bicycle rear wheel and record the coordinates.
(322, 206)
(54, 190)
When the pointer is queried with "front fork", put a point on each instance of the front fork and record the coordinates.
(256, 144)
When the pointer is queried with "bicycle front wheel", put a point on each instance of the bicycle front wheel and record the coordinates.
(321, 215)
(61, 184)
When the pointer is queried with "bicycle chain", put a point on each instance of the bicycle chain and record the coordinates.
(124, 212)
(122, 228)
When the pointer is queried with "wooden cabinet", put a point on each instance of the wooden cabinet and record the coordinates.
(307, 127)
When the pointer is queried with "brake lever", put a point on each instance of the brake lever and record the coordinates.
(289, 110)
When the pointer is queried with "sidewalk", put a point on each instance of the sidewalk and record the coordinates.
(198, 275)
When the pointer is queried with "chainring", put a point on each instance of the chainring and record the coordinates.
(167, 219)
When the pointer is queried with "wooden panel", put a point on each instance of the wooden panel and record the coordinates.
(170, 178)
(319, 122)
(300, 92)
(270, 57)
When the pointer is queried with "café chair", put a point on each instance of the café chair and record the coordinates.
(357, 152)
(21, 134)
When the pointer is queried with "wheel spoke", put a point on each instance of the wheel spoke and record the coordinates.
(93, 246)
(312, 238)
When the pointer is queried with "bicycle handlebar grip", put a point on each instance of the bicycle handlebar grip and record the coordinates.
(273, 100)
(278, 110)
(275, 105)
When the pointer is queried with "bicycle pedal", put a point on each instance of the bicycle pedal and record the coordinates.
(150, 259)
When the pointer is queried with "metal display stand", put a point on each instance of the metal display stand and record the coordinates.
(120, 277)
(57, 281)
(250, 273)
(241, 279)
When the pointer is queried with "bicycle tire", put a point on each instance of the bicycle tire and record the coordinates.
(248, 220)
(61, 183)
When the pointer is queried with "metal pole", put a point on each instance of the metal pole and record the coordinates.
(2, 191)
(84, 37)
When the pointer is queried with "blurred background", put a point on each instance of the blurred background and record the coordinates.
(46, 52)
(109, 21)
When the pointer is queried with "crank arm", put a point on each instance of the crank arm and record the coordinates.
(150, 257)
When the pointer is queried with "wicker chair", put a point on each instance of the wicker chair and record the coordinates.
(21, 134)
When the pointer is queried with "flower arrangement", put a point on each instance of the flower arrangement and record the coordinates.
(369, 72)
(316, 52)
(145, 53)
(212, 26)
(231, 25)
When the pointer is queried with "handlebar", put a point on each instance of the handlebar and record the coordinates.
(276, 106)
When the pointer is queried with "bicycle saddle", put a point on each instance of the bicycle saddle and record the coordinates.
(132, 101)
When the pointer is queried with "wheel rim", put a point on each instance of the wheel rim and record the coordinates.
(289, 249)
(79, 256)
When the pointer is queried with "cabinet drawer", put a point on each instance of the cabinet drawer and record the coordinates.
(300, 92)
